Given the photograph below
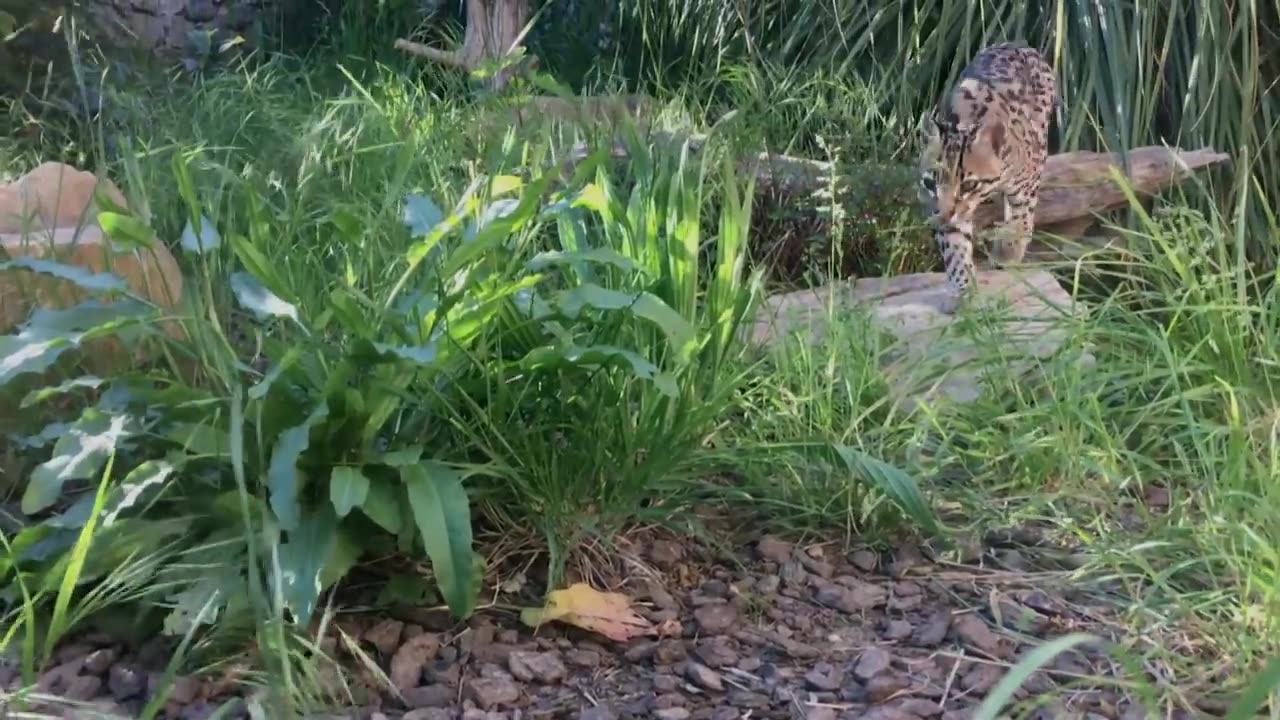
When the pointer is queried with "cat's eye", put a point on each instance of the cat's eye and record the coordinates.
(968, 186)
(929, 184)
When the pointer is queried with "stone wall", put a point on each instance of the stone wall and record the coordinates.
(178, 27)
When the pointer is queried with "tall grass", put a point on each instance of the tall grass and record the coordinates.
(1189, 74)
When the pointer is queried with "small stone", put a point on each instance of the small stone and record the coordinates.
(665, 553)
(768, 584)
(864, 560)
(83, 688)
(852, 600)
(385, 635)
(670, 652)
(882, 687)
(582, 658)
(749, 664)
(492, 691)
(981, 679)
(773, 549)
(429, 696)
(641, 651)
(872, 662)
(97, 710)
(669, 701)
(546, 667)
(886, 713)
(717, 652)
(934, 631)
(197, 711)
(715, 588)
(184, 690)
(125, 682)
(598, 712)
(794, 574)
(407, 662)
(74, 651)
(972, 630)
(921, 708)
(662, 599)
(899, 630)
(821, 568)
(819, 712)
(825, 677)
(99, 661)
(672, 713)
(55, 679)
(428, 714)
(703, 676)
(665, 683)
(715, 619)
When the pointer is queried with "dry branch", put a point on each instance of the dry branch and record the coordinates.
(495, 28)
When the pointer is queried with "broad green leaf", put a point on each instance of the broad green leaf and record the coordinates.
(494, 211)
(31, 351)
(87, 315)
(442, 513)
(126, 231)
(199, 604)
(255, 297)
(600, 355)
(200, 241)
(342, 557)
(283, 477)
(408, 590)
(348, 488)
(382, 504)
(137, 487)
(421, 215)
(86, 280)
(255, 262)
(302, 559)
(40, 395)
(260, 389)
(200, 439)
(402, 457)
(897, 485)
(604, 256)
(646, 305)
(78, 455)
(422, 355)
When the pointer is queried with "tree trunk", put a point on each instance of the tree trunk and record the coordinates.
(495, 29)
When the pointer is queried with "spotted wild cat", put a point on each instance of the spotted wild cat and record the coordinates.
(989, 135)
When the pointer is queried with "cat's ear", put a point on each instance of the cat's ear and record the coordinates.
(992, 135)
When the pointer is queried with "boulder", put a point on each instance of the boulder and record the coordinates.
(933, 354)
(50, 213)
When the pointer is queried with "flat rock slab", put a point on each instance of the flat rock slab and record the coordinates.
(1016, 320)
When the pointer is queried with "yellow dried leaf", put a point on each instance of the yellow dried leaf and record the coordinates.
(580, 604)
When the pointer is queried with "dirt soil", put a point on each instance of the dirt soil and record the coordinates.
(786, 631)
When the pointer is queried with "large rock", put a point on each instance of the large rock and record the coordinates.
(50, 213)
(934, 354)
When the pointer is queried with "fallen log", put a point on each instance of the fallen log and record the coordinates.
(1078, 187)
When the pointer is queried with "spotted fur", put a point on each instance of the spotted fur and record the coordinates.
(988, 135)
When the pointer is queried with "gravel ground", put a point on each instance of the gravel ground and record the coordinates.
(783, 632)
